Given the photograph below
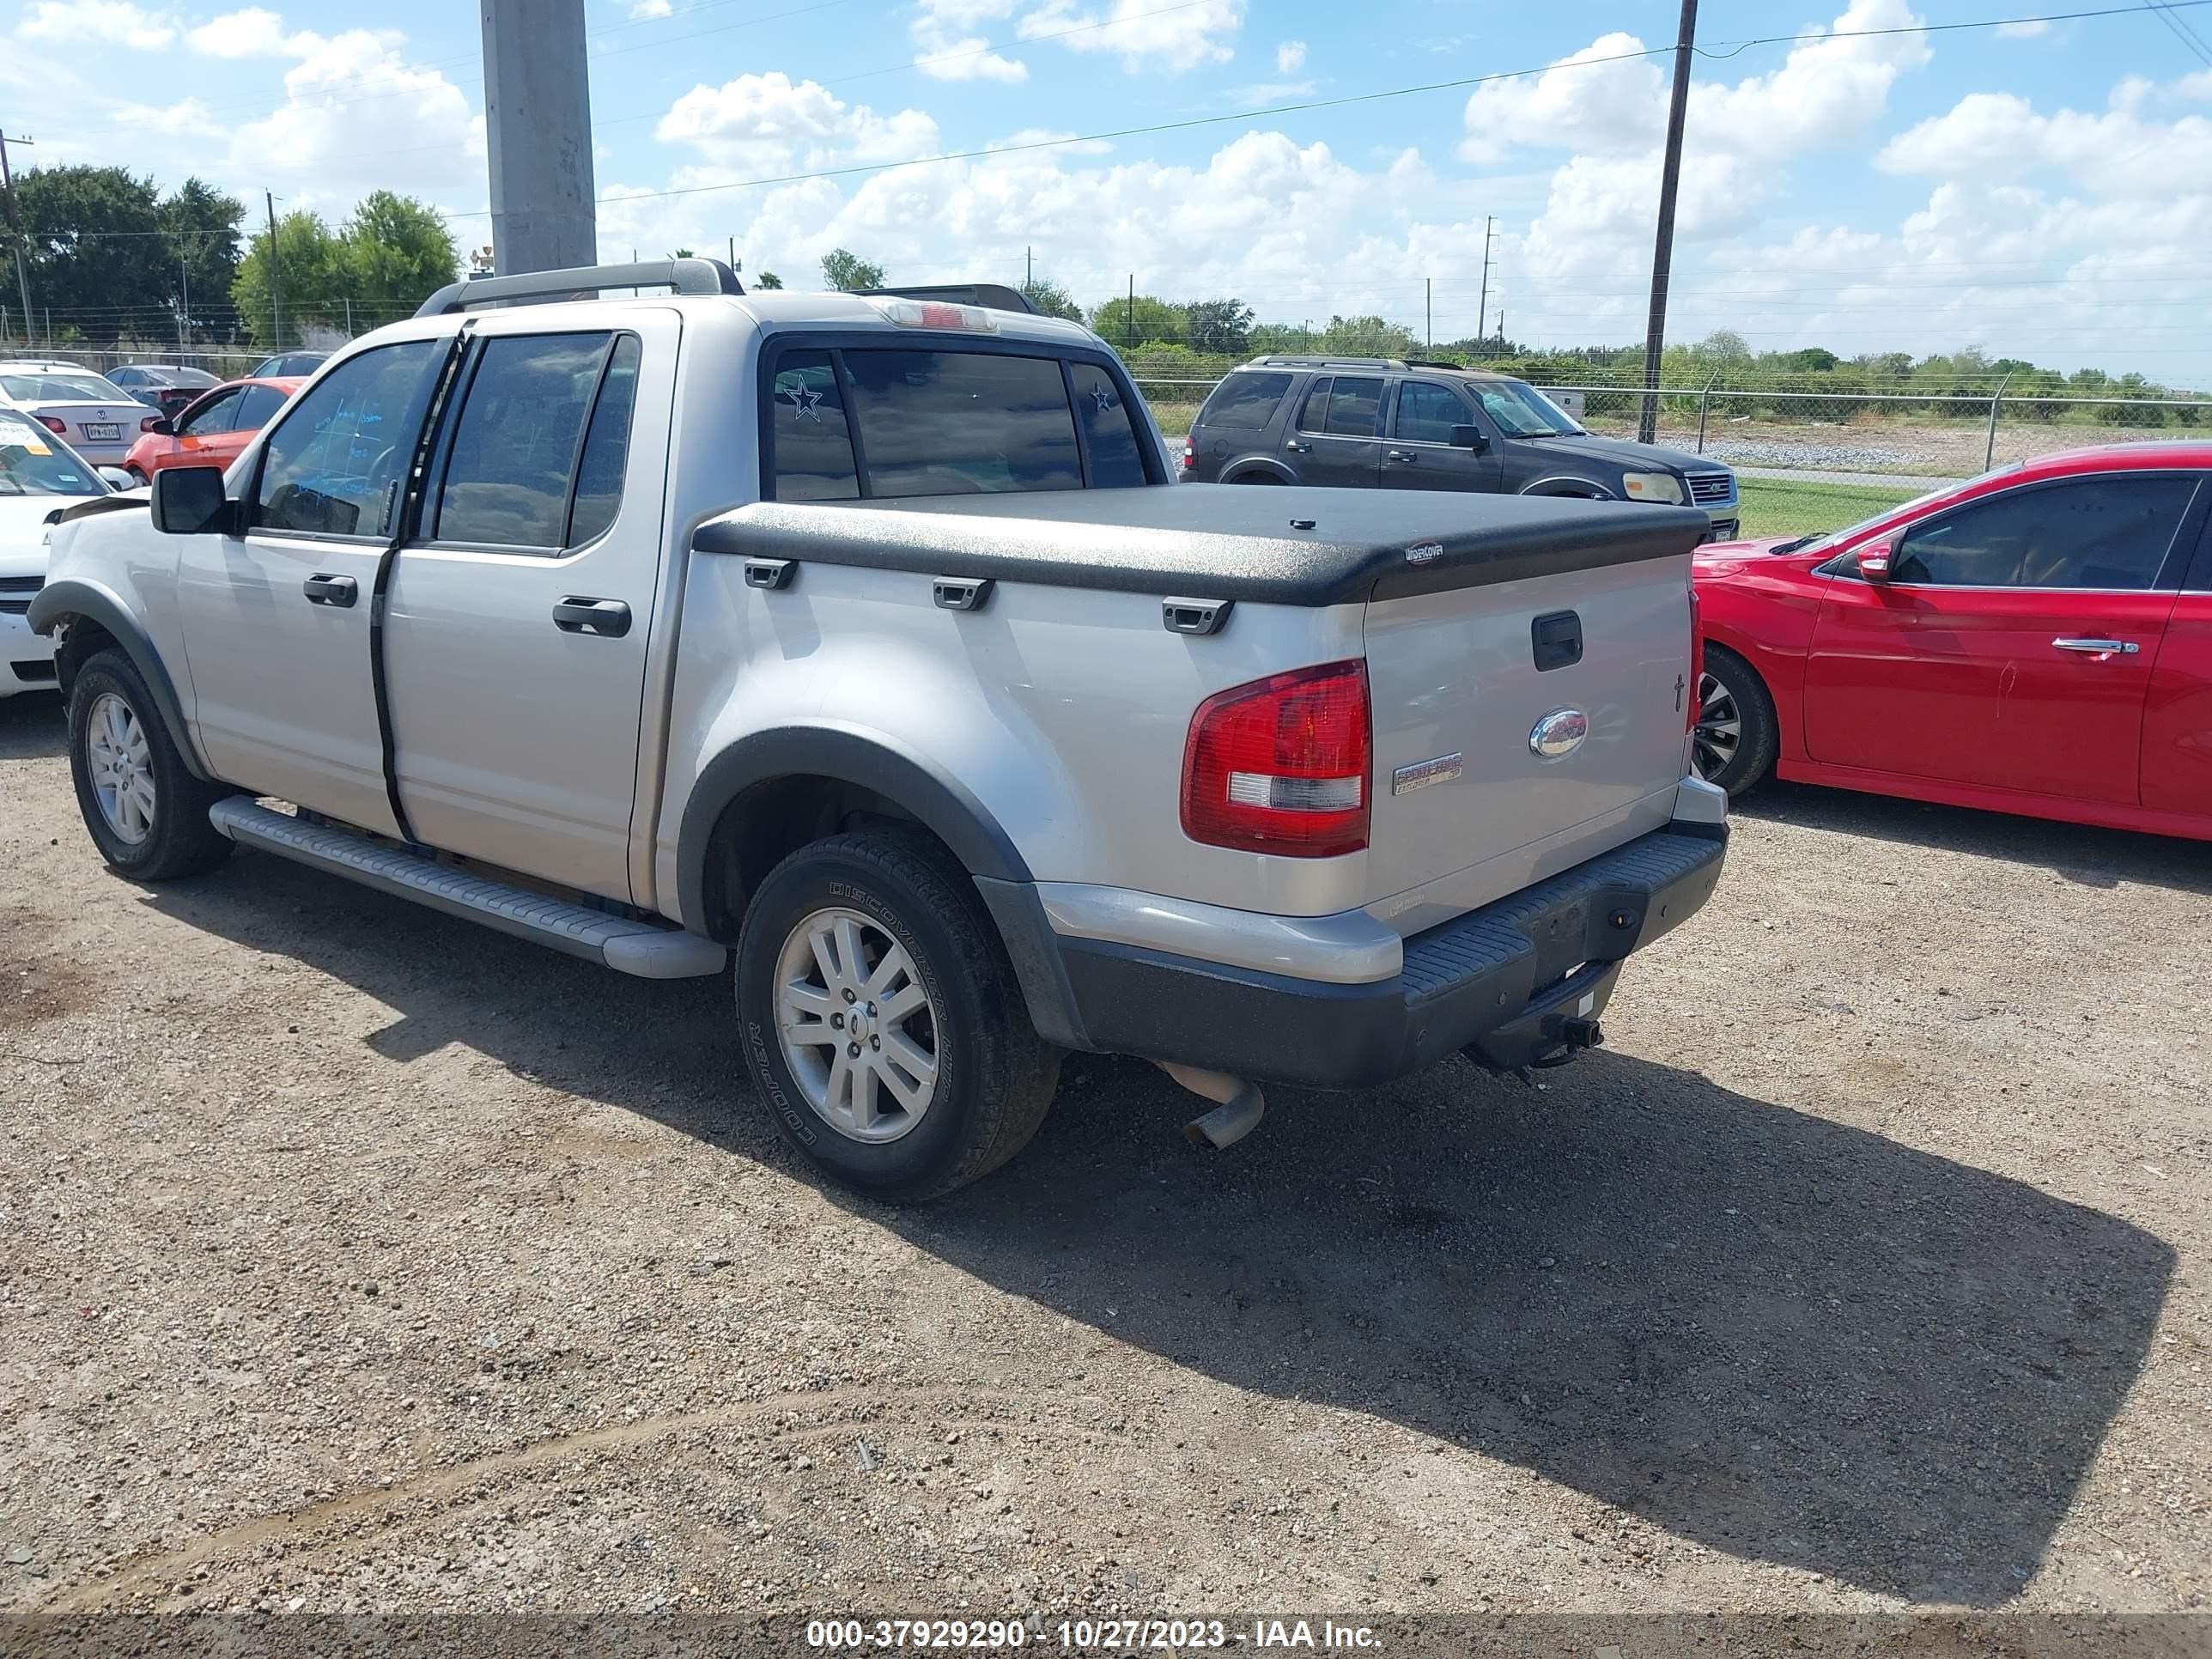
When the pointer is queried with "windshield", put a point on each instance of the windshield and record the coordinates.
(1521, 411)
(33, 463)
(61, 389)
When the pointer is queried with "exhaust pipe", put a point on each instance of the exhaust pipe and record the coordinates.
(1239, 1113)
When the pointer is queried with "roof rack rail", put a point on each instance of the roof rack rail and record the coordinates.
(685, 276)
(1434, 362)
(996, 295)
(1324, 360)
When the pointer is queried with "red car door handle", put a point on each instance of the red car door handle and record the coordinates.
(2100, 647)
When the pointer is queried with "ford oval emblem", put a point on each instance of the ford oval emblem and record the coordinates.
(1559, 733)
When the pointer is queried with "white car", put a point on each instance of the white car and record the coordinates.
(96, 418)
(38, 476)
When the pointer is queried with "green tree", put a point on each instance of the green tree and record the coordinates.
(201, 257)
(97, 256)
(1140, 320)
(1812, 360)
(683, 253)
(768, 279)
(848, 271)
(307, 265)
(393, 253)
(1051, 299)
(1223, 326)
(1367, 337)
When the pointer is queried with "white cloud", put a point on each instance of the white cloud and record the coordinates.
(78, 22)
(331, 140)
(947, 48)
(2117, 152)
(2026, 29)
(640, 11)
(1143, 35)
(1290, 57)
(252, 33)
(190, 115)
(765, 124)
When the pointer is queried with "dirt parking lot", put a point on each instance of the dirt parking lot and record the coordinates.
(357, 1259)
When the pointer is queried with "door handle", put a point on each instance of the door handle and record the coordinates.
(1295, 447)
(574, 614)
(340, 591)
(1399, 455)
(2101, 648)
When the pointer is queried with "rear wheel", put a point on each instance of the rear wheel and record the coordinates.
(882, 1020)
(1736, 734)
(145, 810)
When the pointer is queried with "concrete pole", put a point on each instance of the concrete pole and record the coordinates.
(1663, 255)
(538, 121)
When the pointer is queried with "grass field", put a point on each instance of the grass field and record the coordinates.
(1774, 507)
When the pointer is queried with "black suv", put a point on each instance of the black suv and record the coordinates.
(1378, 423)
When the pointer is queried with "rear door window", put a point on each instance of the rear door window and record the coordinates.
(961, 422)
(1313, 413)
(1353, 404)
(1245, 401)
(518, 448)
(256, 407)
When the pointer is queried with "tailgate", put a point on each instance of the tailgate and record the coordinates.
(1454, 681)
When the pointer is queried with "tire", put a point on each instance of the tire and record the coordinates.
(1737, 734)
(1255, 478)
(151, 823)
(993, 1076)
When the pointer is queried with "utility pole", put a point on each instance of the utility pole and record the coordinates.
(15, 224)
(184, 299)
(1663, 252)
(348, 305)
(1029, 268)
(276, 278)
(537, 131)
(1482, 306)
(1131, 331)
(1429, 312)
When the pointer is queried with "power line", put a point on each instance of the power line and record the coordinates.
(2182, 31)
(1457, 84)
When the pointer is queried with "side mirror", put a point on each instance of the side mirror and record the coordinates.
(116, 478)
(1873, 562)
(1469, 437)
(188, 501)
(161, 426)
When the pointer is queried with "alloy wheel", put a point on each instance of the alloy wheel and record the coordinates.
(1719, 731)
(858, 1028)
(121, 768)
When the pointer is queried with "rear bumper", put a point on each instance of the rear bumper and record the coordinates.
(1503, 980)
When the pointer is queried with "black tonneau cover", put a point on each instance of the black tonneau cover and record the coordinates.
(1270, 546)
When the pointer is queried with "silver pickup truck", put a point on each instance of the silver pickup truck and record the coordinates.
(867, 638)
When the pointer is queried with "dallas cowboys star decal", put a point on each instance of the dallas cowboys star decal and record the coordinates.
(803, 399)
(1105, 397)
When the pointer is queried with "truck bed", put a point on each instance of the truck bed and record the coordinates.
(1292, 546)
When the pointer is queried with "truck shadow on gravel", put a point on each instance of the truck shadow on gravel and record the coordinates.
(32, 728)
(1762, 1331)
(2080, 853)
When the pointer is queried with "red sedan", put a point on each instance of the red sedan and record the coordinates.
(212, 431)
(2038, 639)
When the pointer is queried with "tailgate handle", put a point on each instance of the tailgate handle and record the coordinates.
(1556, 638)
(1195, 616)
(769, 572)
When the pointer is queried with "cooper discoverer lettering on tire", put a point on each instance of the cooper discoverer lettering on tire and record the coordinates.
(884, 1023)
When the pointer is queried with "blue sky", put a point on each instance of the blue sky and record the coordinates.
(2044, 192)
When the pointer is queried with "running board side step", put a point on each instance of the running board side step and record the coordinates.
(638, 948)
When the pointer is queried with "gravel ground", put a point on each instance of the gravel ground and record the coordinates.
(360, 1260)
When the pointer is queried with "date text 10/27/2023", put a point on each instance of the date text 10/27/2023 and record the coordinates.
(1089, 1635)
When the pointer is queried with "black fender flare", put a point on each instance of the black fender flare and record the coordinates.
(1247, 465)
(74, 597)
(941, 803)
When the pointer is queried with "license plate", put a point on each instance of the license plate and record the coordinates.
(1723, 530)
(102, 432)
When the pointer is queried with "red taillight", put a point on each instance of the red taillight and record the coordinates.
(1189, 455)
(59, 428)
(1280, 765)
(1697, 658)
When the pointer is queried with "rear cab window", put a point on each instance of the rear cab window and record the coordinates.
(866, 420)
(1245, 401)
